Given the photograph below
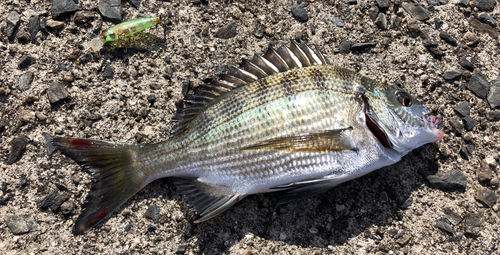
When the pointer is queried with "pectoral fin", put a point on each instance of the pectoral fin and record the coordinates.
(322, 141)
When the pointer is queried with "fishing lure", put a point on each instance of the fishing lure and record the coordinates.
(123, 30)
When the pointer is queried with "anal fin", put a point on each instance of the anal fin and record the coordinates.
(207, 200)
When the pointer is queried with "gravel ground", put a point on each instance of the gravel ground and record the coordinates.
(440, 199)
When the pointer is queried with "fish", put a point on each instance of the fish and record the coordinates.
(285, 121)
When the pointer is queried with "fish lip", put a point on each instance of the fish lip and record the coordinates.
(432, 122)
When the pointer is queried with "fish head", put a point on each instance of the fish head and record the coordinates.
(398, 120)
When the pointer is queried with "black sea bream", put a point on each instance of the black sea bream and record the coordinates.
(285, 120)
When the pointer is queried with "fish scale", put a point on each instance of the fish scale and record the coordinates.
(305, 129)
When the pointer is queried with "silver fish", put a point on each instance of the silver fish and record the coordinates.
(285, 120)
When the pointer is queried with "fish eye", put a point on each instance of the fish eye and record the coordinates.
(404, 99)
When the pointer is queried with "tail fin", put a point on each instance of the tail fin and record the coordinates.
(116, 175)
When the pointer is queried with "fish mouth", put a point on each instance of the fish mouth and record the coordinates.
(433, 123)
(377, 132)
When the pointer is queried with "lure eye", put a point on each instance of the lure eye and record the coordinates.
(404, 99)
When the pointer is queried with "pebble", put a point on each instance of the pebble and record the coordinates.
(61, 7)
(416, 11)
(383, 4)
(485, 5)
(313, 230)
(473, 223)
(54, 24)
(443, 225)
(26, 80)
(151, 98)
(362, 46)
(494, 94)
(25, 62)
(127, 227)
(58, 201)
(181, 249)
(448, 181)
(226, 32)
(189, 230)
(136, 3)
(57, 93)
(463, 3)
(463, 108)
(151, 228)
(465, 63)
(381, 21)
(48, 200)
(153, 213)
(469, 122)
(479, 85)
(493, 116)
(34, 27)
(455, 123)
(490, 161)
(485, 175)
(413, 26)
(402, 241)
(27, 116)
(111, 10)
(483, 28)
(108, 72)
(452, 216)
(337, 22)
(17, 148)
(18, 224)
(12, 24)
(448, 38)
(82, 17)
(486, 196)
(3, 124)
(452, 74)
(352, 2)
(345, 47)
(67, 207)
(488, 19)
(299, 13)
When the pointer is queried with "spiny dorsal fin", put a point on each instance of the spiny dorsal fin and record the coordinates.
(274, 61)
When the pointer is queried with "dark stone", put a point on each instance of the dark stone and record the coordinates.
(473, 223)
(34, 27)
(25, 62)
(151, 228)
(60, 7)
(452, 74)
(494, 94)
(18, 224)
(60, 67)
(17, 148)
(455, 123)
(465, 63)
(493, 116)
(226, 32)
(362, 46)
(443, 225)
(479, 85)
(48, 200)
(416, 11)
(57, 93)
(58, 201)
(381, 21)
(483, 28)
(51, 148)
(151, 98)
(352, 2)
(189, 230)
(404, 203)
(337, 22)
(83, 17)
(185, 88)
(111, 10)
(3, 124)
(448, 181)
(108, 72)
(488, 19)
(485, 175)
(486, 196)
(383, 4)
(61, 186)
(136, 3)
(127, 227)
(452, 216)
(313, 29)
(25, 81)
(345, 47)
(429, 43)
(469, 122)
(153, 213)
(181, 249)
(448, 38)
(438, 24)
(463, 3)
(299, 13)
(464, 153)
(436, 52)
(485, 5)
(373, 13)
(12, 24)
(463, 108)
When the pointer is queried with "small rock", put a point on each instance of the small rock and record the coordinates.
(486, 196)
(469, 122)
(463, 108)
(465, 63)
(151, 228)
(3, 124)
(25, 62)
(185, 88)
(60, 7)
(54, 24)
(17, 224)
(67, 207)
(108, 72)
(337, 22)
(58, 201)
(494, 94)
(299, 13)
(448, 181)
(352, 2)
(493, 116)
(181, 249)
(151, 98)
(490, 161)
(383, 4)
(452, 216)
(127, 227)
(48, 200)
(463, 3)
(416, 11)
(153, 213)
(485, 5)
(483, 28)
(362, 46)
(111, 10)
(402, 241)
(345, 47)
(17, 148)
(27, 116)
(381, 21)
(495, 181)
(473, 223)
(443, 225)
(455, 123)
(136, 3)
(313, 230)
(12, 24)
(82, 17)
(452, 74)
(479, 85)
(57, 93)
(448, 38)
(189, 230)
(34, 27)
(485, 175)
(488, 19)
(25, 81)
(226, 32)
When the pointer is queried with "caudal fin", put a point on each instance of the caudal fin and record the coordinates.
(116, 175)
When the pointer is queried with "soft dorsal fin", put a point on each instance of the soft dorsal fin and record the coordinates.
(274, 61)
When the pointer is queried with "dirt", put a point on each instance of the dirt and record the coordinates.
(363, 216)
